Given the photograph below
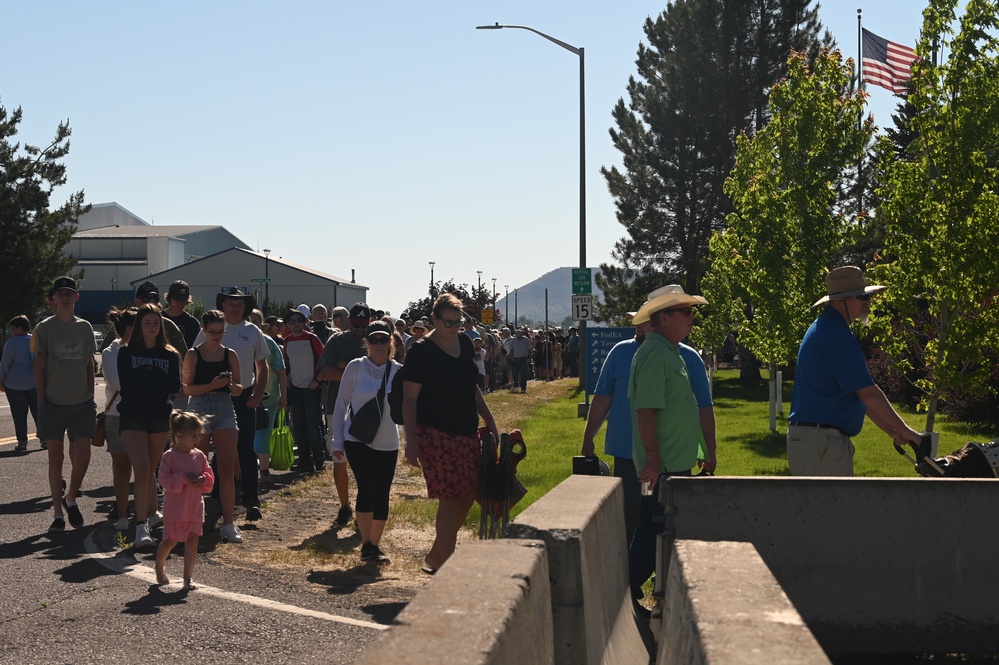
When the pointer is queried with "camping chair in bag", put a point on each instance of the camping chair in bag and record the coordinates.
(499, 487)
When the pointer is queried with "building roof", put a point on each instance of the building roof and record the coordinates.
(144, 231)
(272, 259)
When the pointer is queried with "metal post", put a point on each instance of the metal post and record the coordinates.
(267, 281)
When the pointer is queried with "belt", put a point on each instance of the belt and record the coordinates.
(799, 423)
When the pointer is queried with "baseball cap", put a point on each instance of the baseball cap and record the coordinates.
(179, 290)
(146, 290)
(378, 328)
(64, 283)
(304, 310)
(359, 314)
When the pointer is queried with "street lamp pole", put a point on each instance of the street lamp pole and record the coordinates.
(582, 169)
(478, 294)
(267, 279)
(506, 303)
(432, 281)
(494, 295)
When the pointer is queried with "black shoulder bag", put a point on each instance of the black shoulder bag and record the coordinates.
(364, 423)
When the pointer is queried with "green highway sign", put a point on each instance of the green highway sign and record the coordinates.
(260, 279)
(582, 280)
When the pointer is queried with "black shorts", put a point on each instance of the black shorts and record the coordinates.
(157, 426)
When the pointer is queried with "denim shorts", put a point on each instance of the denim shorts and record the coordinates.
(113, 435)
(215, 409)
(75, 420)
(157, 426)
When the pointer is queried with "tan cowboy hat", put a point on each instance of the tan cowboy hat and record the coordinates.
(847, 282)
(668, 296)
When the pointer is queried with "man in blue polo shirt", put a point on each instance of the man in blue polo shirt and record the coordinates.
(833, 389)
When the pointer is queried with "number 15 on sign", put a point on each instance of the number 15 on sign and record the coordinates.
(582, 307)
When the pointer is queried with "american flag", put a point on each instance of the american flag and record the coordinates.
(886, 63)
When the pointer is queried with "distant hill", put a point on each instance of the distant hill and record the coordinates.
(530, 298)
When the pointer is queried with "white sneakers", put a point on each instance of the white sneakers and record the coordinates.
(231, 533)
(121, 524)
(142, 537)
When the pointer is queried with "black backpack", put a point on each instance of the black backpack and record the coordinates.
(395, 396)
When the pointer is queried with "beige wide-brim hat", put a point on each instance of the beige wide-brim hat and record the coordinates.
(847, 282)
(672, 295)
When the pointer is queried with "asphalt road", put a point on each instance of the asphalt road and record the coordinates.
(78, 598)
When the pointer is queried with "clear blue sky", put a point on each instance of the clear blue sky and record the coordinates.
(367, 136)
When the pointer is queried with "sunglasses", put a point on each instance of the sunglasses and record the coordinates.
(451, 323)
(686, 311)
(378, 339)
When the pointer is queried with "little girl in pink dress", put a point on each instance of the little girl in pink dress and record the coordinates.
(185, 476)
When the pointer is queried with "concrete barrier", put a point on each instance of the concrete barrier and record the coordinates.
(581, 524)
(489, 605)
(901, 565)
(724, 606)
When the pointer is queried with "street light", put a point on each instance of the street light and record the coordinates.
(432, 280)
(506, 303)
(267, 278)
(478, 294)
(494, 295)
(582, 168)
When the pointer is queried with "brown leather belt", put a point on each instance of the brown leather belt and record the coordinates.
(799, 423)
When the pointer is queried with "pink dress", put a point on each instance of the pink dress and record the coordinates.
(183, 504)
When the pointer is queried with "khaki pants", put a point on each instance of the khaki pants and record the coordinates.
(814, 451)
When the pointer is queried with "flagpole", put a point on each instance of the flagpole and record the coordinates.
(860, 113)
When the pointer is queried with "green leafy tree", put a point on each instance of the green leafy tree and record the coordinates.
(784, 187)
(32, 235)
(473, 298)
(703, 77)
(940, 210)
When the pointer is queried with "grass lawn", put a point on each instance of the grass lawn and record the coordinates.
(746, 446)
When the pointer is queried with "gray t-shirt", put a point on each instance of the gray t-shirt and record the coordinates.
(67, 346)
(345, 346)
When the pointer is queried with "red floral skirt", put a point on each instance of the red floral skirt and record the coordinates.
(450, 463)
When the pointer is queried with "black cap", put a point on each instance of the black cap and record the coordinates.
(360, 311)
(179, 290)
(64, 283)
(378, 328)
(145, 290)
(236, 292)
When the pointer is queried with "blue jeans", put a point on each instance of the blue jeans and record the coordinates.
(21, 402)
(307, 423)
(642, 553)
(519, 372)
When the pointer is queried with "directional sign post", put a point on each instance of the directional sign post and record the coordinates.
(582, 280)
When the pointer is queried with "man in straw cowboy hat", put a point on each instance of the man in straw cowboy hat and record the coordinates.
(833, 388)
(666, 425)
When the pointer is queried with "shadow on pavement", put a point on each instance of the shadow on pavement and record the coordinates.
(153, 601)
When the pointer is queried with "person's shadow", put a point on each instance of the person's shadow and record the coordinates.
(155, 600)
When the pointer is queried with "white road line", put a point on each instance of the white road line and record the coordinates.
(133, 568)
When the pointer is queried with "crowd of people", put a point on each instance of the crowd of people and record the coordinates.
(189, 407)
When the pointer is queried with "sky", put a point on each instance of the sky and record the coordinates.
(365, 136)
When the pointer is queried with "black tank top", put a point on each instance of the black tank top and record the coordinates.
(205, 372)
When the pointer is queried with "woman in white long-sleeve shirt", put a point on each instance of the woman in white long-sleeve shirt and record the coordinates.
(121, 468)
(373, 463)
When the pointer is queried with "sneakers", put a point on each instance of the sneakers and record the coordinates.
(142, 537)
(58, 525)
(121, 524)
(371, 553)
(21, 446)
(266, 478)
(253, 513)
(343, 515)
(75, 516)
(45, 445)
(319, 466)
(155, 520)
(232, 534)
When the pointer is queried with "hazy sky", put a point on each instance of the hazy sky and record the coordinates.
(375, 136)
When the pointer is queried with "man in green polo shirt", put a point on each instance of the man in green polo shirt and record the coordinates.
(665, 419)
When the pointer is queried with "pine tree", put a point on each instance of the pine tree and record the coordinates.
(32, 236)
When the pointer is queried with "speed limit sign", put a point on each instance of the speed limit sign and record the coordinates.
(582, 306)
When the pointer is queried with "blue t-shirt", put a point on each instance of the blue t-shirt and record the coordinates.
(613, 381)
(831, 369)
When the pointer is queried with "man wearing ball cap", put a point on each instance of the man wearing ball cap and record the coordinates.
(833, 388)
(665, 417)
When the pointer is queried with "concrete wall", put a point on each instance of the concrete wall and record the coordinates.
(724, 606)
(581, 524)
(873, 565)
(490, 605)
